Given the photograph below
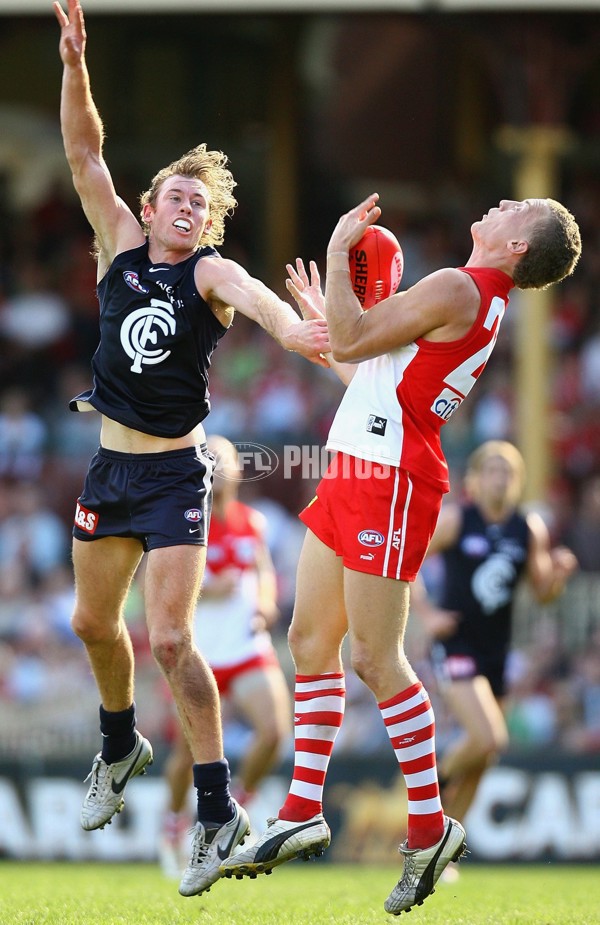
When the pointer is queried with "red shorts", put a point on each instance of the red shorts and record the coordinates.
(378, 518)
(227, 674)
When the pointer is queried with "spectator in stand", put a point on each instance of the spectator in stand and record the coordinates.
(583, 533)
(23, 436)
(584, 735)
(32, 534)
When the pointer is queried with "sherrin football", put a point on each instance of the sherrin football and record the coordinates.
(376, 265)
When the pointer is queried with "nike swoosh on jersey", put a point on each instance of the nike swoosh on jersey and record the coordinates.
(119, 786)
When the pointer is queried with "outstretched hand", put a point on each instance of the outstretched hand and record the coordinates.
(307, 293)
(311, 302)
(564, 562)
(351, 226)
(73, 36)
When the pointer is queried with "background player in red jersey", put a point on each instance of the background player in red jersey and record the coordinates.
(166, 299)
(416, 355)
(487, 546)
(238, 606)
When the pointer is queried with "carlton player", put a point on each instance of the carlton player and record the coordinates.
(488, 545)
(166, 299)
(416, 355)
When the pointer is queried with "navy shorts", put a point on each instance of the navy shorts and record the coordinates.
(461, 662)
(161, 499)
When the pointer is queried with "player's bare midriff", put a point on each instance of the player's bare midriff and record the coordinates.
(122, 439)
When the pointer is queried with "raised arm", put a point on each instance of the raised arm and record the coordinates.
(114, 224)
(441, 307)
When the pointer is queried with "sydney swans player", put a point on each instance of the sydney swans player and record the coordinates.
(415, 355)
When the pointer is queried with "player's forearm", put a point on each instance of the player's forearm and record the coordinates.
(81, 126)
(279, 320)
(342, 308)
(344, 371)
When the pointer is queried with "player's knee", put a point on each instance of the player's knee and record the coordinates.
(91, 628)
(366, 666)
(301, 643)
(168, 647)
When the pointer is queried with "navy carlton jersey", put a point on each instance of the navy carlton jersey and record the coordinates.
(481, 572)
(157, 336)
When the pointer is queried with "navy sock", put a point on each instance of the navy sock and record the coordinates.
(118, 733)
(214, 799)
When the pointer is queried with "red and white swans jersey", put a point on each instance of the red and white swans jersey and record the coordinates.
(395, 405)
(224, 627)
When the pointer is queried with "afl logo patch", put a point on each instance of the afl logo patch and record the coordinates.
(194, 515)
(371, 538)
(133, 281)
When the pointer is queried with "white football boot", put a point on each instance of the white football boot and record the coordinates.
(210, 847)
(283, 841)
(105, 796)
(423, 867)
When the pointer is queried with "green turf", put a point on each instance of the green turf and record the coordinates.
(297, 894)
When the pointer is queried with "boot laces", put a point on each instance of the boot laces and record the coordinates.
(201, 845)
(98, 776)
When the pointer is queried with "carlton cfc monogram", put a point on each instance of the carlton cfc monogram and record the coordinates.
(139, 329)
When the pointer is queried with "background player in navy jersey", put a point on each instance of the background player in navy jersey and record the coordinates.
(415, 355)
(166, 298)
(487, 546)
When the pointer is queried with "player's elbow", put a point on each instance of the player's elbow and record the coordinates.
(340, 355)
(345, 352)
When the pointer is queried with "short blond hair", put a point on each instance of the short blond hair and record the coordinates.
(211, 168)
(492, 449)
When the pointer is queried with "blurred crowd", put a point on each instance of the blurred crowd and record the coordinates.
(260, 394)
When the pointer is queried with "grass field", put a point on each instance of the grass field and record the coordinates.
(297, 894)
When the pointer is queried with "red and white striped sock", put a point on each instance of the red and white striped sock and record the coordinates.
(410, 725)
(318, 713)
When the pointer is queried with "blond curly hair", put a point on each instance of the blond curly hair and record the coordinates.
(211, 168)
